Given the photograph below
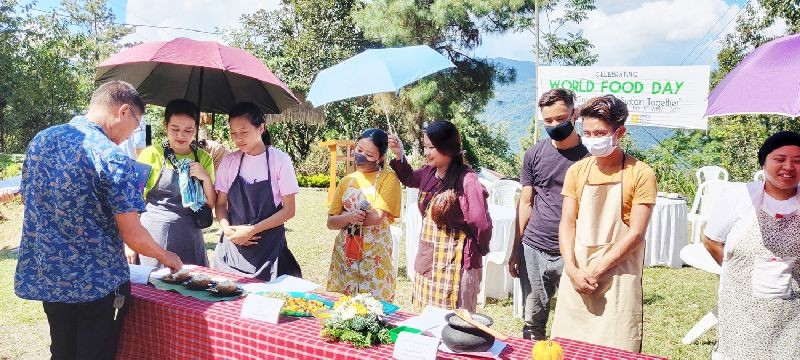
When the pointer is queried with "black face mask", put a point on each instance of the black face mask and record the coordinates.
(560, 131)
(364, 163)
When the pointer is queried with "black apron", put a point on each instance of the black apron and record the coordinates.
(249, 204)
(170, 224)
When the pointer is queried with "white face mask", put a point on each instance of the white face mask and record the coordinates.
(599, 146)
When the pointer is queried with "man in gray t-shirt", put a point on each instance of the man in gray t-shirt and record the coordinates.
(535, 257)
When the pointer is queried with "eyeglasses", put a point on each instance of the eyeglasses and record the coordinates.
(138, 119)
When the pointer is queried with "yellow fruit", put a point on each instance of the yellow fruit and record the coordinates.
(547, 350)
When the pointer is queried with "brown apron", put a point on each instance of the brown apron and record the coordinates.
(612, 315)
(438, 265)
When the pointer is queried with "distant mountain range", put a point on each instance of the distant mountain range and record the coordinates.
(514, 104)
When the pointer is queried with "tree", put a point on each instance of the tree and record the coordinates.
(47, 64)
(453, 28)
(38, 81)
(94, 36)
(558, 45)
(296, 42)
(732, 141)
(10, 26)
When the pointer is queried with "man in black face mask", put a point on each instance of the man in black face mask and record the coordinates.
(535, 257)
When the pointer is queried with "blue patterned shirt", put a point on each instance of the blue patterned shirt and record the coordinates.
(74, 180)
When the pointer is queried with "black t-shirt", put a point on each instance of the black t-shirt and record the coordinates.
(544, 168)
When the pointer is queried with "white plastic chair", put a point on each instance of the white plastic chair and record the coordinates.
(704, 199)
(759, 176)
(710, 173)
(503, 219)
(697, 256)
(397, 235)
(488, 174)
(413, 226)
(504, 193)
(519, 302)
(487, 184)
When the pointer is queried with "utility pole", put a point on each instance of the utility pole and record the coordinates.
(536, 81)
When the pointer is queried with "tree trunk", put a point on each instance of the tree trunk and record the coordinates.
(2, 125)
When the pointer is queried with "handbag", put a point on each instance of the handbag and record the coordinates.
(203, 217)
(354, 243)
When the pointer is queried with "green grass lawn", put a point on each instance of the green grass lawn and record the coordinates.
(674, 298)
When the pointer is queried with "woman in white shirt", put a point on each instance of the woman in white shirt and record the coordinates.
(754, 233)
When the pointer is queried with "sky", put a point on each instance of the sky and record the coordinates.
(624, 32)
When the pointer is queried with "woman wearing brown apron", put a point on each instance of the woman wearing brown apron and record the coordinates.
(256, 187)
(753, 234)
(608, 199)
(456, 227)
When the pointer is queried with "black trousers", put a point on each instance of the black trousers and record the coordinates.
(86, 330)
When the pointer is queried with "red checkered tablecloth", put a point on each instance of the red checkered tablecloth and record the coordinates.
(166, 325)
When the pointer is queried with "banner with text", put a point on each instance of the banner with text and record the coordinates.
(664, 96)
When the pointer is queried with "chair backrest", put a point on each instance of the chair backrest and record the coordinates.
(707, 193)
(487, 184)
(759, 176)
(504, 192)
(709, 173)
(411, 200)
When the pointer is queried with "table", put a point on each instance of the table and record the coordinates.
(667, 233)
(166, 325)
(503, 219)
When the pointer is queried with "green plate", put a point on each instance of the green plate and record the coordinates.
(204, 295)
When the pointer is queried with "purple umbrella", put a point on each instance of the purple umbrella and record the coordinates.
(767, 81)
(213, 76)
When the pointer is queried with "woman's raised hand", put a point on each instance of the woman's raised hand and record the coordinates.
(396, 146)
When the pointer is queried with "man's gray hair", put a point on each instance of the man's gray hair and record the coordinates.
(116, 93)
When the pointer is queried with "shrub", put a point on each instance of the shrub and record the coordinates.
(10, 165)
(313, 181)
(316, 162)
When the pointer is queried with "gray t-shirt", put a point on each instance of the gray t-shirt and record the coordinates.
(544, 168)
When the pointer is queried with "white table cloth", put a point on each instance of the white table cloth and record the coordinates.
(667, 233)
(502, 235)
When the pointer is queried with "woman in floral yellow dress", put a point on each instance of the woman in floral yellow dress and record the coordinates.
(366, 202)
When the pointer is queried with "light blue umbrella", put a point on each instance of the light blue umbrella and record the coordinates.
(375, 71)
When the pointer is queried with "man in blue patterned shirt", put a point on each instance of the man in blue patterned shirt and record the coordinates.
(82, 201)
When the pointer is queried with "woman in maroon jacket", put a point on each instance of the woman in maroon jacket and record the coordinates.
(456, 227)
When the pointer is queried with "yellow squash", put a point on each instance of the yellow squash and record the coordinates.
(547, 350)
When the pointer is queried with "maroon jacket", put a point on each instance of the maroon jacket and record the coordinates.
(472, 214)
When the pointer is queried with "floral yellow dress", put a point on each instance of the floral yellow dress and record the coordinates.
(373, 273)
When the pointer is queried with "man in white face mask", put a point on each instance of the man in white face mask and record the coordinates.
(608, 199)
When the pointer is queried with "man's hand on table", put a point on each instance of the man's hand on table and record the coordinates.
(171, 261)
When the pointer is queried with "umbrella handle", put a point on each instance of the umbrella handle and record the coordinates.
(386, 113)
